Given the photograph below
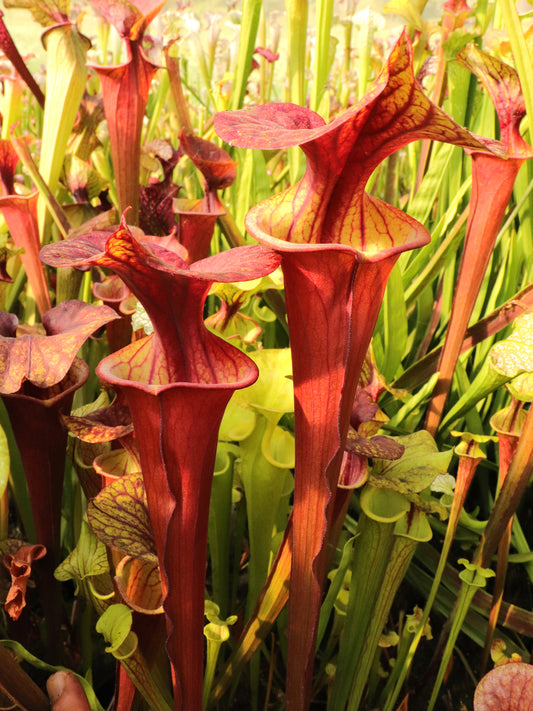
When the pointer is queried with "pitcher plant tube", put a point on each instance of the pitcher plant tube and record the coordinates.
(66, 53)
(493, 178)
(338, 246)
(197, 217)
(177, 383)
(20, 214)
(125, 90)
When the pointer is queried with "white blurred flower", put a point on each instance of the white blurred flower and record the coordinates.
(443, 484)
(140, 319)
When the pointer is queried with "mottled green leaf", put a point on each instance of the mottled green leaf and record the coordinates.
(379, 446)
(514, 355)
(420, 463)
(45, 12)
(88, 559)
(521, 387)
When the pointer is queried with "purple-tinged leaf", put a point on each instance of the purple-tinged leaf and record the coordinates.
(45, 360)
(103, 425)
(156, 214)
(119, 517)
(354, 470)
(197, 218)
(506, 688)
(217, 167)
(114, 293)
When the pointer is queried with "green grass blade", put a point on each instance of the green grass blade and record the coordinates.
(251, 12)
(394, 325)
(521, 54)
(321, 65)
(17, 478)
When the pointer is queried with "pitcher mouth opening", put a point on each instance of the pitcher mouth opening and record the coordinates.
(140, 365)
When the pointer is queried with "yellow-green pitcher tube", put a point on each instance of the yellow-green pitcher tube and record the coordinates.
(66, 51)
(11, 104)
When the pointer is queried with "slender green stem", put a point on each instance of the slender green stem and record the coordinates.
(464, 601)
(213, 649)
(17, 478)
(321, 64)
(497, 595)
(15, 291)
(297, 13)
(163, 85)
(4, 515)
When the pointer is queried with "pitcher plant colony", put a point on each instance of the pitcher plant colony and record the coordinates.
(266, 354)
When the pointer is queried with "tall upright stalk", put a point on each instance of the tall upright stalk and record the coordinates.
(511, 493)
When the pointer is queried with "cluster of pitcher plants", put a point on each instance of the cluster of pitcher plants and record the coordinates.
(266, 351)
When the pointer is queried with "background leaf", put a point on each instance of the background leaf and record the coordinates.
(119, 517)
(506, 688)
